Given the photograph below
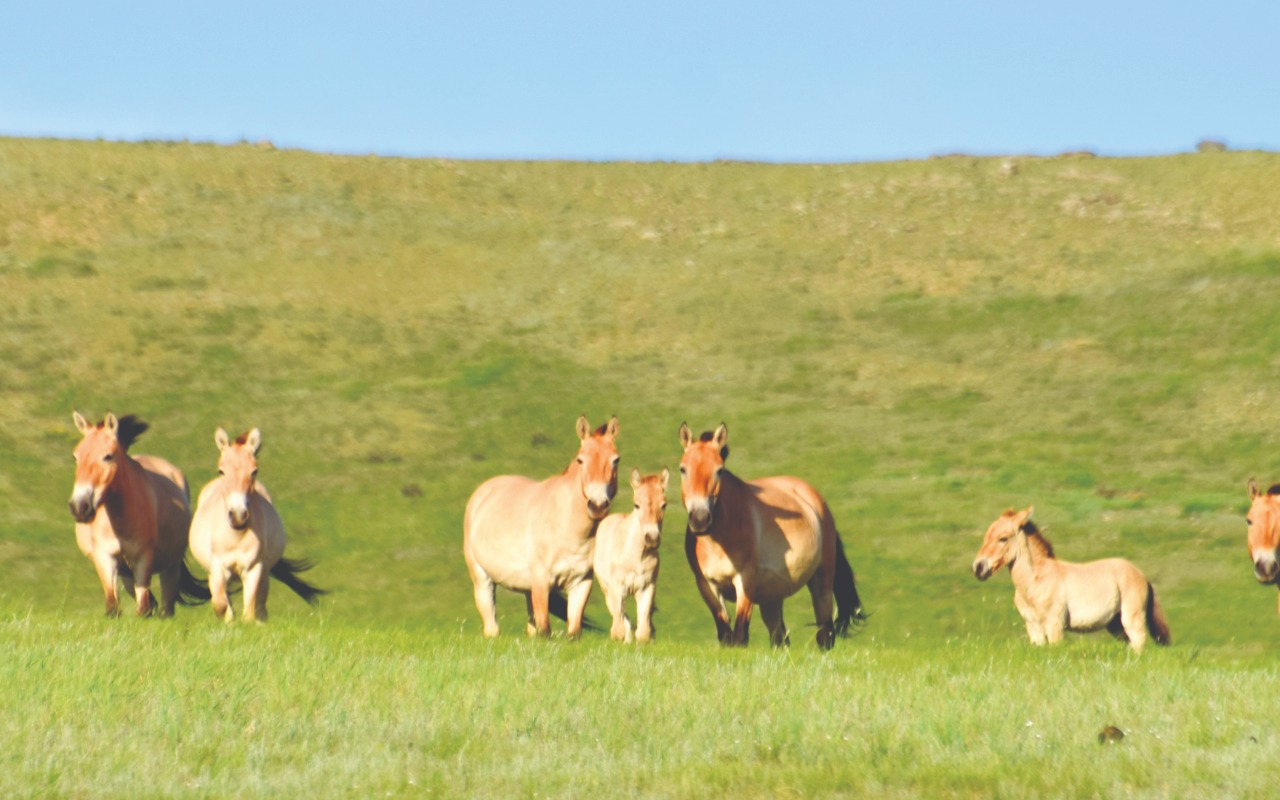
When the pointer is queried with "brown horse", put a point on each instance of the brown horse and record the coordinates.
(1264, 533)
(132, 515)
(626, 559)
(757, 542)
(1054, 595)
(537, 537)
(237, 532)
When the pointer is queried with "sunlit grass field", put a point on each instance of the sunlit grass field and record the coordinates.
(926, 342)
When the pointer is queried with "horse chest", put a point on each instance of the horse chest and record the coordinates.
(717, 565)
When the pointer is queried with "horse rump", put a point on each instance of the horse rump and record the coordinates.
(286, 571)
(848, 604)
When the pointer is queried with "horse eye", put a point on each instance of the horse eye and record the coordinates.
(253, 474)
(108, 457)
(1248, 522)
(682, 470)
(1004, 538)
(221, 473)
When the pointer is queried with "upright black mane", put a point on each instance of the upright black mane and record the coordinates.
(130, 428)
(1033, 532)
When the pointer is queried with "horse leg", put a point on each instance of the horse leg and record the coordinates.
(106, 567)
(742, 609)
(710, 596)
(771, 613)
(169, 583)
(824, 606)
(142, 586)
(484, 589)
(539, 596)
(1133, 615)
(644, 613)
(254, 597)
(218, 588)
(620, 631)
(578, 594)
(529, 629)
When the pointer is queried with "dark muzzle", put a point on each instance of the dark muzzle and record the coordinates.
(82, 511)
(1266, 571)
(981, 569)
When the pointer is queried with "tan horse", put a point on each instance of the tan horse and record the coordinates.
(237, 532)
(1053, 595)
(537, 537)
(757, 542)
(1264, 532)
(131, 517)
(626, 559)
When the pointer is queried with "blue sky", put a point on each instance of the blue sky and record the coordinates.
(794, 81)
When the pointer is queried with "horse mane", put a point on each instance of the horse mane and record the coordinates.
(1037, 540)
(128, 430)
(242, 439)
(1274, 490)
(604, 427)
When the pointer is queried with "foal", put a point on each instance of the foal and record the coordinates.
(1053, 595)
(237, 532)
(626, 558)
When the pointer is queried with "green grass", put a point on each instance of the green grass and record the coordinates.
(926, 342)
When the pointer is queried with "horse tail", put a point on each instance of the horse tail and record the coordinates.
(848, 604)
(1156, 623)
(558, 605)
(286, 571)
(191, 590)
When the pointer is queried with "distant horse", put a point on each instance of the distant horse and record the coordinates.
(237, 532)
(626, 560)
(132, 515)
(1053, 595)
(537, 537)
(758, 542)
(1264, 532)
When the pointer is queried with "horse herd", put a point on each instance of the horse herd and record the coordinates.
(748, 542)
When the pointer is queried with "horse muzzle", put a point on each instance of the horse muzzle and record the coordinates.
(238, 519)
(598, 509)
(981, 569)
(82, 511)
(700, 520)
(1266, 571)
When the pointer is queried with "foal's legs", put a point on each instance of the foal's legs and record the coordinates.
(644, 613)
(218, 576)
(771, 613)
(621, 629)
(254, 581)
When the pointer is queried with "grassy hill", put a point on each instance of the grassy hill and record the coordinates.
(926, 342)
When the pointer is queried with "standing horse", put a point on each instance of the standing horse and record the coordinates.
(1264, 533)
(537, 537)
(1053, 595)
(758, 542)
(131, 517)
(626, 560)
(237, 532)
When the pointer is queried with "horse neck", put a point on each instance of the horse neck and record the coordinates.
(1023, 568)
(566, 491)
(128, 489)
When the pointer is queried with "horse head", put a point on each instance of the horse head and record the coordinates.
(999, 546)
(700, 470)
(650, 495)
(238, 471)
(597, 465)
(98, 458)
(1264, 532)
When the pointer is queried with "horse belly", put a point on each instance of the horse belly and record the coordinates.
(785, 565)
(1091, 603)
(493, 537)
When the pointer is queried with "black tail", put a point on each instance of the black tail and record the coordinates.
(286, 571)
(558, 605)
(848, 605)
(1156, 623)
(191, 590)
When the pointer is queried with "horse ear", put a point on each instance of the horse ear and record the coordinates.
(635, 478)
(221, 439)
(584, 427)
(1026, 514)
(112, 424)
(721, 437)
(1254, 491)
(82, 424)
(686, 436)
(611, 430)
(254, 440)
(666, 478)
